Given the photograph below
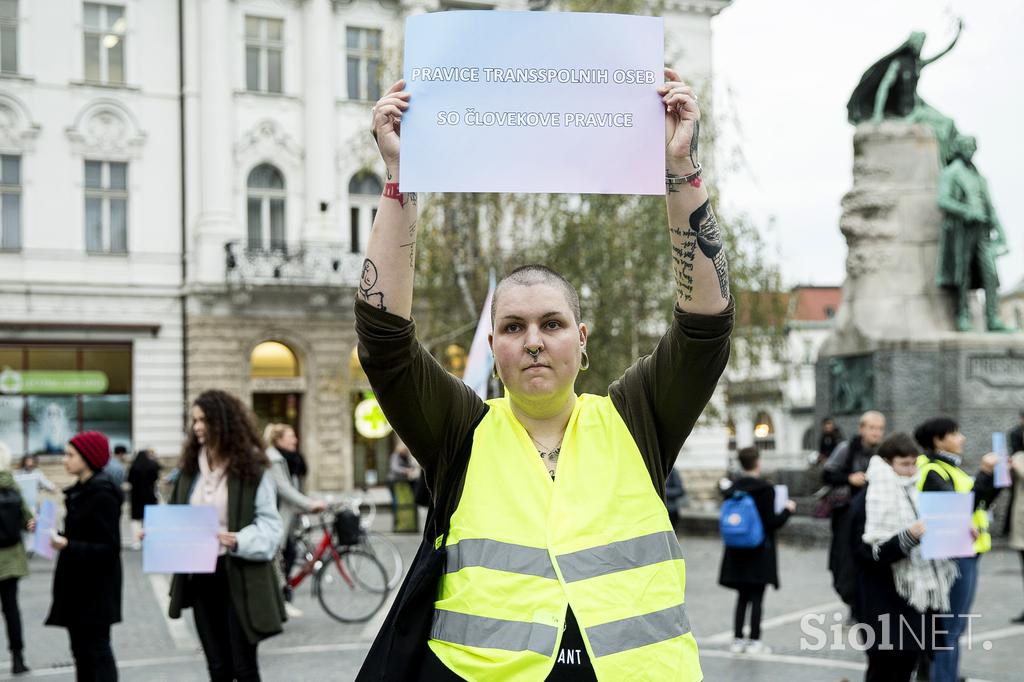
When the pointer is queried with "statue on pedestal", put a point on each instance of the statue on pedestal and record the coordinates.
(888, 89)
(971, 237)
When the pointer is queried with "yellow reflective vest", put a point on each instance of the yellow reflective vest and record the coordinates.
(523, 547)
(962, 483)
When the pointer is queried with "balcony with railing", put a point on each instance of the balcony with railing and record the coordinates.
(309, 264)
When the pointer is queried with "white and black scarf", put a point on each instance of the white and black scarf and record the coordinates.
(891, 509)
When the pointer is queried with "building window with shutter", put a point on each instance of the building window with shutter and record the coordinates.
(264, 53)
(363, 50)
(266, 197)
(106, 207)
(10, 202)
(104, 35)
(9, 36)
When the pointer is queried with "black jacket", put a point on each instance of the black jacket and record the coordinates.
(1015, 438)
(876, 588)
(143, 476)
(87, 579)
(743, 566)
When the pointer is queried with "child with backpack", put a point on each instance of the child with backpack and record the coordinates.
(749, 563)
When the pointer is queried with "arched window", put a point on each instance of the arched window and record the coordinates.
(273, 360)
(266, 195)
(764, 432)
(364, 190)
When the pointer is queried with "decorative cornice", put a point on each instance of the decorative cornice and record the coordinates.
(106, 128)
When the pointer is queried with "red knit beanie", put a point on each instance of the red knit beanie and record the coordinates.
(94, 448)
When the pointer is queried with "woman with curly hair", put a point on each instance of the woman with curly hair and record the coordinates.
(224, 465)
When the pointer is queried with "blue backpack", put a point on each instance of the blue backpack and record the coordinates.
(739, 522)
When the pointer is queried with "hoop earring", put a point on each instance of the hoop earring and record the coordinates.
(494, 372)
(584, 361)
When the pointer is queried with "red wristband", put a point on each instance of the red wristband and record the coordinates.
(391, 192)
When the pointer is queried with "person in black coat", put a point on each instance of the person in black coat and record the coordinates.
(884, 533)
(844, 472)
(750, 570)
(142, 476)
(87, 578)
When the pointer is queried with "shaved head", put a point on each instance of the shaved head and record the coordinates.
(528, 275)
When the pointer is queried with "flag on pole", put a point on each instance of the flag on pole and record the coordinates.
(480, 361)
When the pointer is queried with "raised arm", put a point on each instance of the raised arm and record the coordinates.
(387, 276)
(698, 257)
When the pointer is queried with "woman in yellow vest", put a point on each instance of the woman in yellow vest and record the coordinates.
(940, 472)
(561, 562)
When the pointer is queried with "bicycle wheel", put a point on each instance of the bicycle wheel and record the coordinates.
(353, 588)
(386, 553)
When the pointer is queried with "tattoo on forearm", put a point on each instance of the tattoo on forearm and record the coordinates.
(411, 197)
(412, 252)
(693, 143)
(366, 284)
(683, 256)
(704, 225)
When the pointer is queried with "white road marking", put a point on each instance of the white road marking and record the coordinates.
(177, 628)
(826, 608)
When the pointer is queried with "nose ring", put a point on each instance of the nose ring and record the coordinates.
(533, 352)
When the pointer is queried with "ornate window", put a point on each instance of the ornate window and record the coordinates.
(363, 49)
(364, 190)
(104, 29)
(106, 207)
(266, 197)
(264, 47)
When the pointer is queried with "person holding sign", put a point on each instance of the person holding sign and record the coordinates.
(943, 445)
(87, 578)
(15, 517)
(559, 561)
(749, 570)
(898, 589)
(223, 465)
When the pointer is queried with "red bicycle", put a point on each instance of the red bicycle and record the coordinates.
(350, 584)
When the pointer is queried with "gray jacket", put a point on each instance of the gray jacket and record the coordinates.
(289, 499)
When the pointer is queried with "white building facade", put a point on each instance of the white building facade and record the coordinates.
(217, 183)
(90, 244)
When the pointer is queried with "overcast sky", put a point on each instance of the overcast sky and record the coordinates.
(786, 69)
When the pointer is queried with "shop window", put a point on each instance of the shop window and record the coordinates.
(273, 360)
(50, 392)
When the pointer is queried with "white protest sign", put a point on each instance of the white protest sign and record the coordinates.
(545, 102)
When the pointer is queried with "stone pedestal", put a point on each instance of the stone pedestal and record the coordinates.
(894, 348)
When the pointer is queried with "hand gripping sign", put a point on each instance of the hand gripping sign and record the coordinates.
(533, 102)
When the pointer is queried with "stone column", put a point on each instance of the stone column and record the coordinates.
(320, 146)
(216, 222)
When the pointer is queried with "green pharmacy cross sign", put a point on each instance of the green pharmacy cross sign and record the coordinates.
(13, 382)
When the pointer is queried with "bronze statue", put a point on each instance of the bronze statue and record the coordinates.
(888, 89)
(971, 238)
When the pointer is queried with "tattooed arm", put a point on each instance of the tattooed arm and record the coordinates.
(698, 259)
(387, 276)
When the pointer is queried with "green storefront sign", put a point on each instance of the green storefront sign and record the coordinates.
(32, 382)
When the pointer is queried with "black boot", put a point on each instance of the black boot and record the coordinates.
(18, 666)
(1018, 619)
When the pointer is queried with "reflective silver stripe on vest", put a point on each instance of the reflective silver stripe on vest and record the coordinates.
(500, 556)
(493, 633)
(620, 556)
(638, 631)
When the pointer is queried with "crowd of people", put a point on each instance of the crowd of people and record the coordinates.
(253, 483)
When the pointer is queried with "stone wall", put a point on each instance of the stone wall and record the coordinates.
(221, 337)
